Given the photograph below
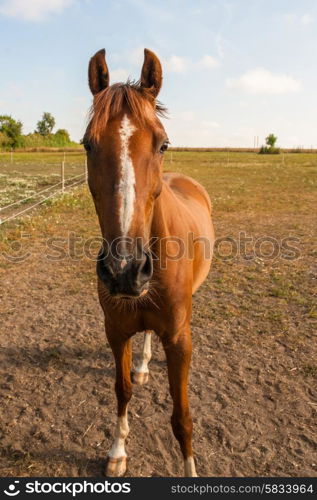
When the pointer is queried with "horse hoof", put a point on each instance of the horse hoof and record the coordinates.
(140, 378)
(116, 467)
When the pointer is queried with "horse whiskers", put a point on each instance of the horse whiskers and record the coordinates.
(131, 304)
(146, 299)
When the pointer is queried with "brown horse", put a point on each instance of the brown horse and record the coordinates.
(157, 242)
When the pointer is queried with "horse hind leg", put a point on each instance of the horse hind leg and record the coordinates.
(140, 373)
(178, 355)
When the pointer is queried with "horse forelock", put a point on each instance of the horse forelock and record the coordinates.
(111, 101)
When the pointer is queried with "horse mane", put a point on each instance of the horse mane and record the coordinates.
(109, 102)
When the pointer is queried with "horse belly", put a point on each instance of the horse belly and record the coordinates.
(194, 212)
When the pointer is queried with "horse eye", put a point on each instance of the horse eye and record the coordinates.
(164, 147)
(87, 146)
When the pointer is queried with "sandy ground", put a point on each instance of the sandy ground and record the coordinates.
(253, 379)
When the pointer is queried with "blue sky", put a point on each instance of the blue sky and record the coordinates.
(232, 69)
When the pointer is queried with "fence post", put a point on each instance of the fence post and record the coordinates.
(86, 170)
(63, 175)
(11, 155)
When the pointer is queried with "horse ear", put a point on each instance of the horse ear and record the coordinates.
(98, 74)
(151, 74)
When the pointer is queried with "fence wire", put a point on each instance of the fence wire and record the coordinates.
(63, 182)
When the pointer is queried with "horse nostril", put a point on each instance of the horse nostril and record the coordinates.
(104, 270)
(146, 267)
(129, 279)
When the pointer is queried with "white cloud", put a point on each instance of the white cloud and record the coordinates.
(220, 46)
(173, 63)
(210, 124)
(262, 81)
(295, 19)
(307, 19)
(136, 56)
(118, 75)
(208, 61)
(187, 116)
(177, 64)
(32, 10)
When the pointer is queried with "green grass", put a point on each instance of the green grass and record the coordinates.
(257, 195)
(248, 181)
(30, 173)
(238, 183)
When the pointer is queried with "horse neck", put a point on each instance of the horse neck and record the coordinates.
(161, 215)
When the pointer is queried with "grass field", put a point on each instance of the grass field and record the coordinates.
(253, 381)
(28, 173)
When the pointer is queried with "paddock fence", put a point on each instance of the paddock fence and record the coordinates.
(13, 210)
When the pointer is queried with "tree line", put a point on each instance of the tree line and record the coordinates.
(11, 135)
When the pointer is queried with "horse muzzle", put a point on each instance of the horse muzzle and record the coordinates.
(126, 278)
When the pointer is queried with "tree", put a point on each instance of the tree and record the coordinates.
(4, 140)
(270, 147)
(271, 140)
(46, 125)
(62, 136)
(12, 129)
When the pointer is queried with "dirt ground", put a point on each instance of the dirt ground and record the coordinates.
(253, 379)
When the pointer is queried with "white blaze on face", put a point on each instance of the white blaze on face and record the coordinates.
(127, 182)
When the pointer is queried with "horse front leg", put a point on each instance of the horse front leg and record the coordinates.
(140, 373)
(122, 351)
(178, 352)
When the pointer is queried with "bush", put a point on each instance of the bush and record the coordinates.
(11, 134)
(12, 129)
(61, 137)
(265, 150)
(4, 141)
(59, 140)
